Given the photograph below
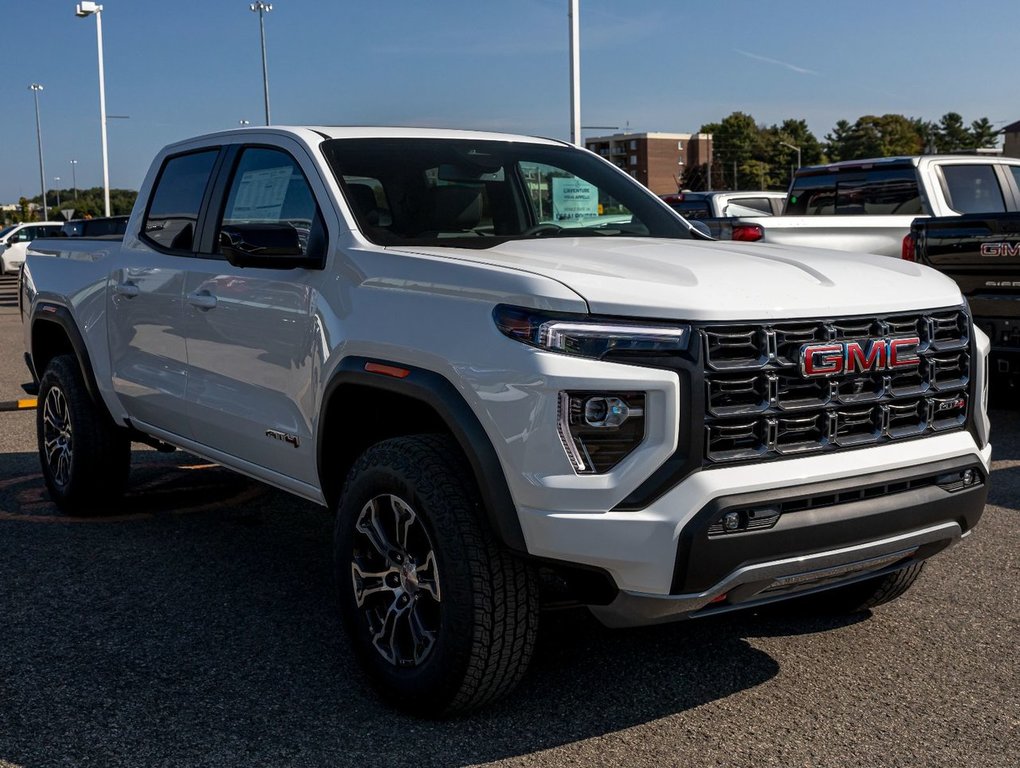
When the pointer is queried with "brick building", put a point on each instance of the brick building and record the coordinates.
(657, 160)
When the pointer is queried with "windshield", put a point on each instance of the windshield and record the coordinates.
(6, 231)
(476, 194)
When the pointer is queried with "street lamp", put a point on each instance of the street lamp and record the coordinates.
(56, 181)
(795, 149)
(262, 9)
(35, 88)
(575, 71)
(83, 9)
(74, 177)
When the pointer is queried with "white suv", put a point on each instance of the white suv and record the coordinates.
(14, 242)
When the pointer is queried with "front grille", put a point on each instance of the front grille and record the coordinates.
(760, 406)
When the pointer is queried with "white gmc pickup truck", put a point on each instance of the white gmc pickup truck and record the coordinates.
(868, 206)
(511, 370)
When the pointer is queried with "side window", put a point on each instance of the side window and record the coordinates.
(173, 210)
(1015, 170)
(268, 187)
(757, 203)
(973, 189)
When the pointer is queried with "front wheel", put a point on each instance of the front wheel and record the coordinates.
(441, 617)
(85, 457)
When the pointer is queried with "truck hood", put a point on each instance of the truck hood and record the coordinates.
(701, 280)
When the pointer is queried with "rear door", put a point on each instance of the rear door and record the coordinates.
(148, 355)
(253, 337)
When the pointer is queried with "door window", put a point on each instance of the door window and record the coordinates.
(973, 189)
(172, 217)
(269, 188)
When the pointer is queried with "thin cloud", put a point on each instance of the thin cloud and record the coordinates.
(767, 60)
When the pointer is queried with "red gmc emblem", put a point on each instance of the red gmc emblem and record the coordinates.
(839, 357)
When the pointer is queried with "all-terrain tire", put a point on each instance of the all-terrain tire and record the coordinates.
(441, 617)
(85, 457)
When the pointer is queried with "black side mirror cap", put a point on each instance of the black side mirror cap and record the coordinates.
(265, 245)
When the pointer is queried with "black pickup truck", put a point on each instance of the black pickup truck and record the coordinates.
(981, 252)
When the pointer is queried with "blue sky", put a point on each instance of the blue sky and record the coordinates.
(184, 67)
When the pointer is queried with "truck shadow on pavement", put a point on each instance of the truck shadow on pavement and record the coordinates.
(196, 626)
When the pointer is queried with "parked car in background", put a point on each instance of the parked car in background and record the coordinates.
(716, 210)
(869, 205)
(14, 241)
(713, 205)
(106, 226)
(982, 254)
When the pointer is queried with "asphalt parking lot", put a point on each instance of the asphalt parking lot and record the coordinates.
(195, 627)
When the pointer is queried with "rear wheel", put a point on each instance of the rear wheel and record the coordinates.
(441, 617)
(85, 457)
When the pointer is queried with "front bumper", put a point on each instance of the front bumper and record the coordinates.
(663, 555)
(827, 534)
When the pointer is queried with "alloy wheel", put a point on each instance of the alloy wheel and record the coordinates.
(58, 439)
(396, 580)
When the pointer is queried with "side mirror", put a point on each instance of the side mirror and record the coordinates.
(267, 246)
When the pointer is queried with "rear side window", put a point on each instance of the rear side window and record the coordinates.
(177, 198)
(1014, 169)
(973, 189)
(872, 192)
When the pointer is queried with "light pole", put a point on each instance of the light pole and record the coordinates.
(74, 177)
(56, 182)
(797, 150)
(262, 9)
(575, 72)
(83, 9)
(35, 88)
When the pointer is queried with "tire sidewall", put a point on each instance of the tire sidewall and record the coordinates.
(433, 683)
(57, 376)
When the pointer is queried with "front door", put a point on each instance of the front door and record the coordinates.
(253, 342)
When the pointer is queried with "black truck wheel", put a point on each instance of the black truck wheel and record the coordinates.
(442, 619)
(85, 457)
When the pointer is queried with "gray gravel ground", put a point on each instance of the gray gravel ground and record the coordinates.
(196, 629)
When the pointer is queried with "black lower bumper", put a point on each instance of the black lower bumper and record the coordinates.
(794, 540)
(825, 516)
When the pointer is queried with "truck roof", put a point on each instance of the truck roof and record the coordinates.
(900, 161)
(315, 133)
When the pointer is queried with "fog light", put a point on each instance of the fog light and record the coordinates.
(605, 412)
(600, 429)
(968, 477)
(731, 521)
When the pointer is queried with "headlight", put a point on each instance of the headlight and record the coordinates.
(589, 336)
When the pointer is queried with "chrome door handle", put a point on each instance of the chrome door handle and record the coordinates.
(127, 290)
(201, 299)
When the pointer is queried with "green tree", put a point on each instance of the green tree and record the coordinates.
(983, 134)
(837, 142)
(952, 134)
(874, 136)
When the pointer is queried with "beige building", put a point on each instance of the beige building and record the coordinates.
(657, 160)
(1011, 143)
